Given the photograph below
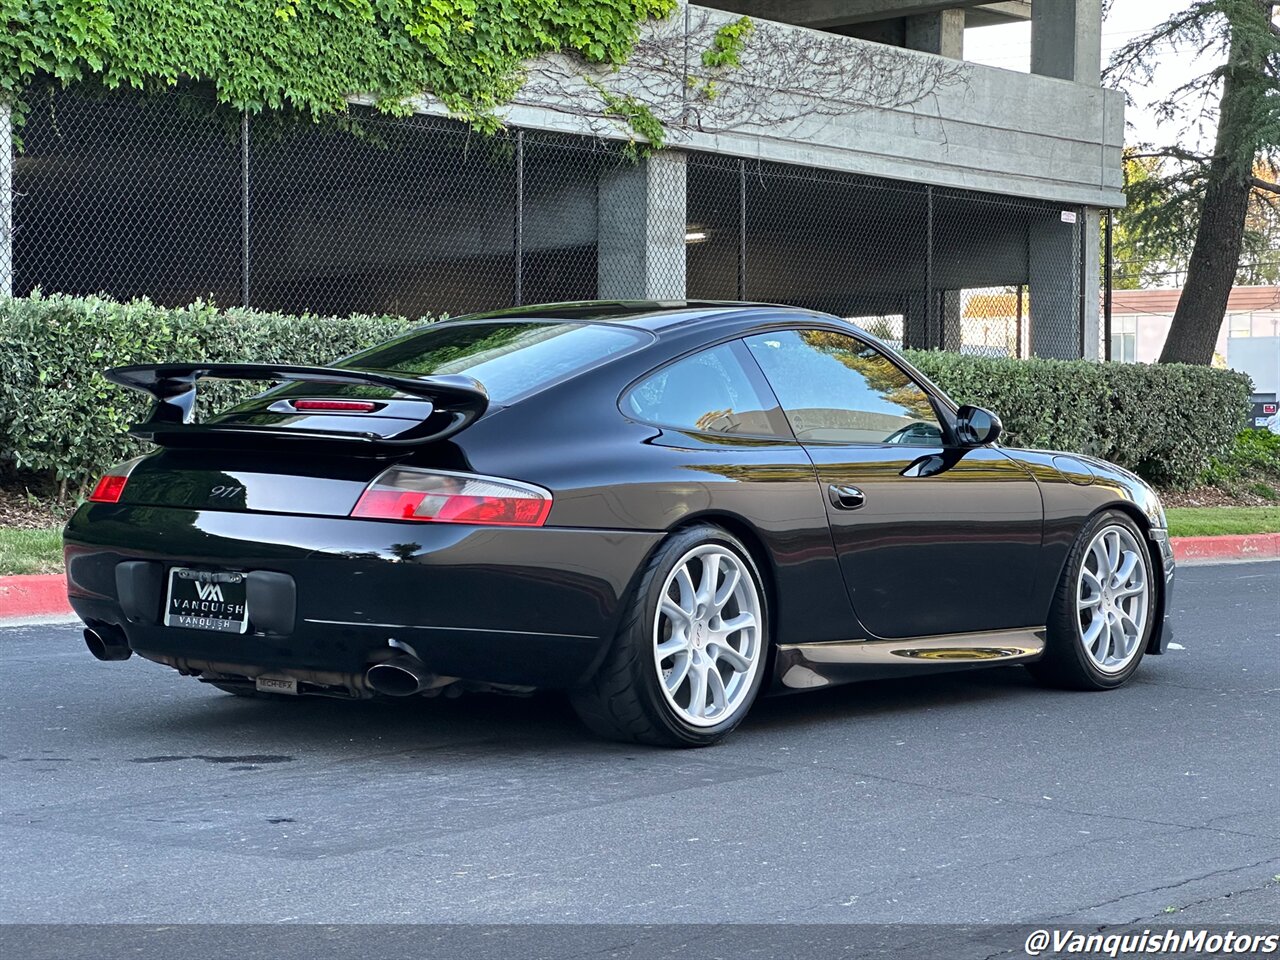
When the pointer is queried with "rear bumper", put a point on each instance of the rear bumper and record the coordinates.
(492, 604)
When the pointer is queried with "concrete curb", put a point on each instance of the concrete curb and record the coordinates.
(29, 598)
(33, 596)
(1254, 546)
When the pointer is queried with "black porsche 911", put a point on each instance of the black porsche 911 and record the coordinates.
(662, 508)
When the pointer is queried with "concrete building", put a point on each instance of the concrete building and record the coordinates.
(854, 163)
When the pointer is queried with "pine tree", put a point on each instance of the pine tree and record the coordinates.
(1242, 95)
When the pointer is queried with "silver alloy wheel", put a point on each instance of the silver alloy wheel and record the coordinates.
(1112, 599)
(706, 635)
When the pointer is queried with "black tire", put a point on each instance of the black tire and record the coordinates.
(1066, 665)
(624, 701)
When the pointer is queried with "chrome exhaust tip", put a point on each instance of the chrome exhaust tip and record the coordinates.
(401, 676)
(107, 643)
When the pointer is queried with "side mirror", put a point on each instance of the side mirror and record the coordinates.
(977, 427)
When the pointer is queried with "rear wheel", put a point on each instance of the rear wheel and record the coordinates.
(689, 658)
(1101, 619)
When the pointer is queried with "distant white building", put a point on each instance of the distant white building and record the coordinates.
(1249, 340)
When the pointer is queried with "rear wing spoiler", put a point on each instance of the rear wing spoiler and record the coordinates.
(454, 401)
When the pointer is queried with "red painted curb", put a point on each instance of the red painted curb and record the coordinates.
(37, 596)
(1254, 546)
(34, 596)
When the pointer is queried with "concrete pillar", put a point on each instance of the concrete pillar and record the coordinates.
(1091, 280)
(640, 245)
(891, 32)
(950, 317)
(941, 33)
(1053, 277)
(6, 201)
(1066, 40)
(915, 324)
(946, 333)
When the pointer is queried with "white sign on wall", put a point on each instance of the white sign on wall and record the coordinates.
(1259, 357)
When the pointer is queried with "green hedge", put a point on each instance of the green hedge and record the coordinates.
(60, 418)
(1164, 422)
(1252, 465)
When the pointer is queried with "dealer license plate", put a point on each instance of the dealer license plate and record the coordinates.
(201, 600)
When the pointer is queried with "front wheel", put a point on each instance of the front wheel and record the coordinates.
(689, 658)
(1102, 614)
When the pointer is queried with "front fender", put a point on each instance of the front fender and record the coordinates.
(1075, 488)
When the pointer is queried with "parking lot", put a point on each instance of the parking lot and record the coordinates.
(131, 794)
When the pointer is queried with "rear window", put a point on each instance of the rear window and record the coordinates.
(511, 359)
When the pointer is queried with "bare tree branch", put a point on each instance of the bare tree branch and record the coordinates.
(1168, 153)
(789, 78)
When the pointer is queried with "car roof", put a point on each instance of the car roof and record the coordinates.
(652, 315)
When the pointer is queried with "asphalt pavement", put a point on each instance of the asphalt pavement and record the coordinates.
(130, 794)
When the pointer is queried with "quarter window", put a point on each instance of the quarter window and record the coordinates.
(836, 389)
(708, 392)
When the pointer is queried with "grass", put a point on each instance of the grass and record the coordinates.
(30, 551)
(1218, 521)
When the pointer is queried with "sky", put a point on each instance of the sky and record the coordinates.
(1010, 47)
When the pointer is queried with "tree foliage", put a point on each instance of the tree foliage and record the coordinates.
(1153, 234)
(1152, 237)
(1213, 196)
(1260, 264)
(309, 56)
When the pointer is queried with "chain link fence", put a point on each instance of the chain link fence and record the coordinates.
(175, 199)
(6, 200)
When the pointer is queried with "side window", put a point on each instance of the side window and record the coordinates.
(708, 392)
(836, 389)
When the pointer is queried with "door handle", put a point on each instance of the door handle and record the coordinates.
(846, 497)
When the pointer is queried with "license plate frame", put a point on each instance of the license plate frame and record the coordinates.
(210, 601)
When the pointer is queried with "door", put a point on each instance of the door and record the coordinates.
(722, 445)
(932, 538)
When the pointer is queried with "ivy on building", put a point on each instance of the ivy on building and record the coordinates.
(728, 43)
(307, 57)
(637, 115)
(724, 53)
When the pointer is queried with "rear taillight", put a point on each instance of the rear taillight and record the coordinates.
(109, 490)
(111, 487)
(434, 496)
